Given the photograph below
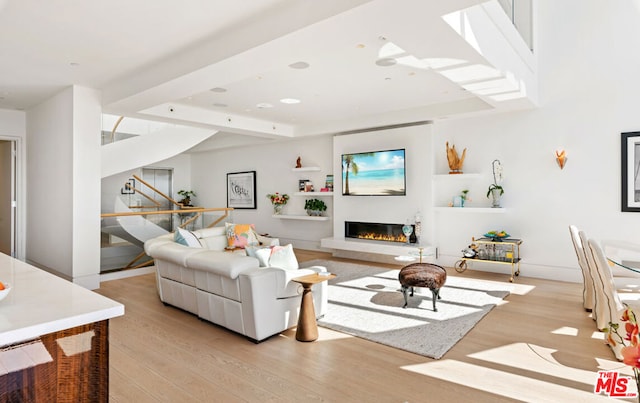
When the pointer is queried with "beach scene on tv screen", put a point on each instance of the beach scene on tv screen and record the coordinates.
(378, 173)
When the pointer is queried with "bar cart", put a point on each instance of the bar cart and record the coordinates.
(492, 250)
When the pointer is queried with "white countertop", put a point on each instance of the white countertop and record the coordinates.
(40, 303)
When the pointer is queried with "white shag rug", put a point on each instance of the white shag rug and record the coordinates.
(366, 301)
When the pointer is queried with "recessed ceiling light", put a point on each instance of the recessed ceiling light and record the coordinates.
(220, 105)
(264, 105)
(218, 89)
(386, 62)
(360, 46)
(299, 65)
(290, 101)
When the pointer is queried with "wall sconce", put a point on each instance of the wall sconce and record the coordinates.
(561, 157)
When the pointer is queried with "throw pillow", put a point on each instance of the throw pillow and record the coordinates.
(283, 257)
(187, 238)
(241, 235)
(262, 254)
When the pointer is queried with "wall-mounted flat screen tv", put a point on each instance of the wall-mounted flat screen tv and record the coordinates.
(376, 173)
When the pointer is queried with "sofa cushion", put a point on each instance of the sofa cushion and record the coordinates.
(176, 253)
(214, 238)
(283, 257)
(261, 253)
(209, 232)
(187, 238)
(241, 235)
(223, 263)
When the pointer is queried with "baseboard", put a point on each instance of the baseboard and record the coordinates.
(117, 275)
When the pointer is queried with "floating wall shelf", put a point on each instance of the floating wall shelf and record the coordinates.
(305, 169)
(300, 217)
(472, 210)
(313, 194)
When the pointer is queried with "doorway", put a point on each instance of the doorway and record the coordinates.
(8, 197)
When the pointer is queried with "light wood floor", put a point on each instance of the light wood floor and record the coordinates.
(540, 345)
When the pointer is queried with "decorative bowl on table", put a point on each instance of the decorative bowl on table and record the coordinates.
(497, 236)
(5, 291)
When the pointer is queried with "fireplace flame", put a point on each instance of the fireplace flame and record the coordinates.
(382, 237)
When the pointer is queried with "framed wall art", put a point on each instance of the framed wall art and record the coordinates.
(241, 190)
(129, 187)
(630, 169)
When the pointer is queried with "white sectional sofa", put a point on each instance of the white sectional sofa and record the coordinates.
(229, 288)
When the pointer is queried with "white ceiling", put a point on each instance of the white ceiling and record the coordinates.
(161, 59)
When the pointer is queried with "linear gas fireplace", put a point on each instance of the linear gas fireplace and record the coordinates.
(377, 231)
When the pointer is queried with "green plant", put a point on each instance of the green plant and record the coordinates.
(464, 194)
(315, 205)
(186, 197)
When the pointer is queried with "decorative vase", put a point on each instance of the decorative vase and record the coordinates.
(277, 209)
(314, 213)
(495, 198)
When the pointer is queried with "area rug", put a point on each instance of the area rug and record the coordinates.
(365, 301)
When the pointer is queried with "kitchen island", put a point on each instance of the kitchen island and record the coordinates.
(54, 337)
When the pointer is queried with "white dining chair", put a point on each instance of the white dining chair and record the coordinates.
(611, 306)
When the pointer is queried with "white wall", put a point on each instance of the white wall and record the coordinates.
(273, 164)
(49, 184)
(63, 185)
(589, 85)
(86, 176)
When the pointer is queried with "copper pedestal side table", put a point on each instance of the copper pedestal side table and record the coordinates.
(307, 329)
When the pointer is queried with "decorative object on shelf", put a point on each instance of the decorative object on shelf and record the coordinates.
(497, 235)
(407, 230)
(561, 157)
(495, 189)
(308, 186)
(418, 227)
(301, 184)
(186, 197)
(278, 201)
(455, 162)
(241, 190)
(459, 201)
(315, 207)
(298, 163)
(329, 183)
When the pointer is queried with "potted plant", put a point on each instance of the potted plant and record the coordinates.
(186, 197)
(314, 207)
(495, 189)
